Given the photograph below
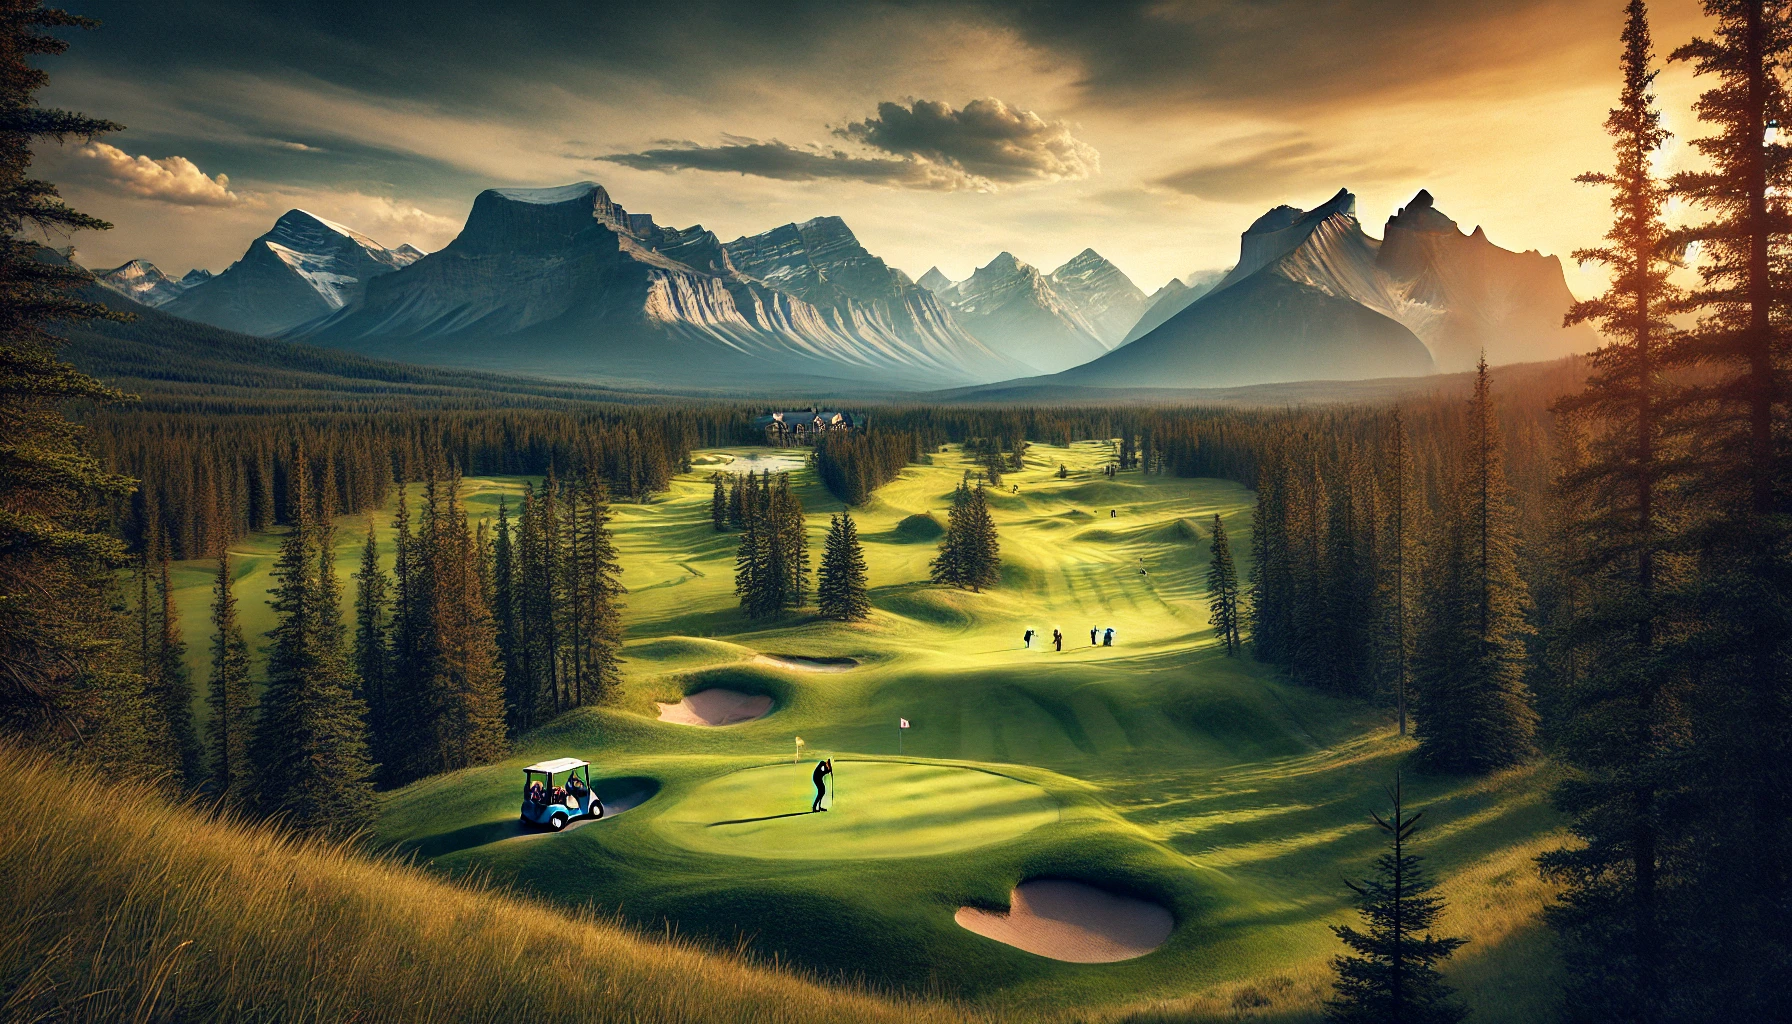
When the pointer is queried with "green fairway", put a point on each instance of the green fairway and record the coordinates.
(1157, 768)
(895, 810)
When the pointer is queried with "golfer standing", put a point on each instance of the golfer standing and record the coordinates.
(823, 769)
(1026, 638)
(1057, 640)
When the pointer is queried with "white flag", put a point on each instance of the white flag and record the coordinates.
(904, 722)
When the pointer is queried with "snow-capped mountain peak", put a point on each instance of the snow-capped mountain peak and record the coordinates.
(1104, 295)
(933, 280)
(140, 281)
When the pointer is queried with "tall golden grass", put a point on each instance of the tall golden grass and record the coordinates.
(118, 905)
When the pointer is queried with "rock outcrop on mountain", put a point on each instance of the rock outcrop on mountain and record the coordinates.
(821, 262)
(1171, 299)
(1463, 295)
(306, 267)
(565, 281)
(1105, 296)
(1313, 296)
(1286, 312)
(140, 281)
(1013, 308)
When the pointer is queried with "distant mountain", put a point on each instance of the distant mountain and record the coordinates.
(1014, 309)
(1171, 299)
(1463, 295)
(304, 268)
(821, 262)
(140, 281)
(1104, 295)
(1313, 296)
(565, 281)
(1286, 312)
(933, 280)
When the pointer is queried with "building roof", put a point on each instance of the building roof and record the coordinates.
(806, 416)
(557, 765)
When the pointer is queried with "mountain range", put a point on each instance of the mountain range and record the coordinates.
(1313, 297)
(304, 268)
(565, 282)
(1050, 321)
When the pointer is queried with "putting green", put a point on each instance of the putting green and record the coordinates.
(884, 809)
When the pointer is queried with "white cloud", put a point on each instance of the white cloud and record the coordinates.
(173, 179)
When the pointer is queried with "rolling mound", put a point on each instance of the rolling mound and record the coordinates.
(918, 528)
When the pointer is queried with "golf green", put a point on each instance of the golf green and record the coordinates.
(878, 809)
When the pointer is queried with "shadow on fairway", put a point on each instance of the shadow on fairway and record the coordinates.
(769, 817)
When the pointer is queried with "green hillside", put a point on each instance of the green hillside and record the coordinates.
(1157, 767)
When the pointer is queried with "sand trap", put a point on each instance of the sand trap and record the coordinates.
(806, 664)
(1073, 922)
(716, 707)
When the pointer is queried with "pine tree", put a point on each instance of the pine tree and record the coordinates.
(718, 505)
(1392, 977)
(950, 567)
(840, 592)
(1736, 861)
(1222, 590)
(505, 613)
(1396, 524)
(228, 694)
(309, 750)
(1473, 710)
(1615, 716)
(372, 647)
(737, 501)
(65, 670)
(465, 680)
(599, 614)
(983, 565)
(174, 685)
(793, 542)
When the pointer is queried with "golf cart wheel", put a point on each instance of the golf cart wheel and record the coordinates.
(557, 822)
(598, 811)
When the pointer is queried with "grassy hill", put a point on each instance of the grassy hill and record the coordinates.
(1157, 768)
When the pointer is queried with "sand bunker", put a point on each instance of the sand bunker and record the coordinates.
(1073, 922)
(716, 707)
(803, 663)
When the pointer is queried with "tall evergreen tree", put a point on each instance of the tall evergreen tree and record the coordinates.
(1473, 709)
(229, 695)
(597, 616)
(1222, 590)
(465, 681)
(309, 749)
(1615, 718)
(372, 646)
(1396, 523)
(1392, 976)
(840, 590)
(173, 684)
(793, 532)
(718, 504)
(65, 671)
(950, 566)
(983, 562)
(1738, 645)
(505, 607)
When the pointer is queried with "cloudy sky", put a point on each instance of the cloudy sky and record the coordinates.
(1152, 130)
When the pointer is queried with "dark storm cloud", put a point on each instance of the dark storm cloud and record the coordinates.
(779, 160)
(929, 144)
(1269, 169)
(460, 53)
(988, 138)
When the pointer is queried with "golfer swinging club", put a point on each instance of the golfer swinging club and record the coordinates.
(823, 769)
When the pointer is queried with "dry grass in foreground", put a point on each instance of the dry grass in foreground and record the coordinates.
(119, 906)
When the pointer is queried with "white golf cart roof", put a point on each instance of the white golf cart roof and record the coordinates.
(557, 765)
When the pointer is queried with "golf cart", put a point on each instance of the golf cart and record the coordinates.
(544, 803)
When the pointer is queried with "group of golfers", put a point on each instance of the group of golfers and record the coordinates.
(1097, 637)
